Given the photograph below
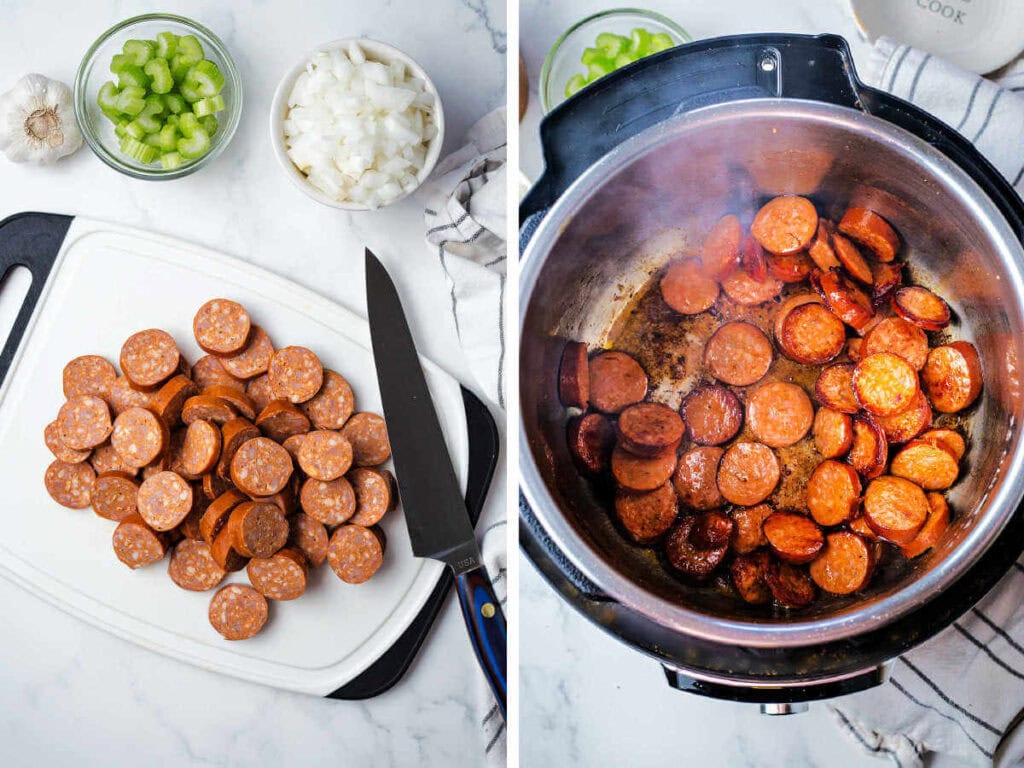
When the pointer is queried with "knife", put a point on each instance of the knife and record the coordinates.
(435, 511)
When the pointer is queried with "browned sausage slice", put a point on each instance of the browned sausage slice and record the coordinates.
(261, 467)
(713, 415)
(748, 473)
(870, 451)
(375, 495)
(686, 557)
(895, 508)
(885, 279)
(720, 251)
(295, 374)
(168, 401)
(712, 530)
(746, 290)
(785, 224)
(223, 551)
(648, 429)
(749, 576)
(149, 358)
(616, 380)
(88, 375)
(60, 451)
(686, 290)
(355, 553)
(833, 432)
(114, 496)
(209, 371)
(164, 500)
(790, 269)
(591, 439)
(896, 335)
(136, 544)
(779, 413)
(933, 529)
(905, 426)
(201, 448)
(642, 473)
(139, 437)
(696, 478)
(70, 485)
(921, 307)
(951, 377)
(309, 536)
(788, 306)
(885, 384)
(931, 465)
(214, 486)
(748, 528)
(238, 612)
(790, 586)
(257, 528)
(646, 515)
(573, 376)
(949, 438)
(853, 262)
(820, 250)
(368, 435)
(221, 326)
(325, 455)
(753, 260)
(792, 537)
(84, 422)
(282, 576)
(207, 408)
(330, 503)
(860, 526)
(216, 515)
(233, 434)
(281, 420)
(845, 565)
(843, 298)
(241, 402)
(738, 353)
(833, 493)
(192, 567)
(812, 335)
(253, 359)
(872, 231)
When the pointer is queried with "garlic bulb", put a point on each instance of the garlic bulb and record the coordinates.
(37, 121)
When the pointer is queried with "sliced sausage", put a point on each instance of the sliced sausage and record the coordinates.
(168, 401)
(238, 612)
(253, 359)
(712, 530)
(309, 536)
(259, 392)
(84, 422)
(574, 376)
(261, 467)
(935, 526)
(845, 565)
(647, 515)
(686, 557)
(258, 529)
(331, 407)
(136, 544)
(885, 384)
(325, 455)
(296, 374)
(149, 358)
(686, 290)
(900, 337)
(931, 465)
(820, 250)
(950, 439)
(234, 434)
(60, 451)
(192, 566)
(786, 224)
(885, 279)
(281, 420)
(209, 372)
(779, 413)
(642, 473)
(833, 432)
(738, 353)
(215, 518)
(105, 458)
(223, 551)
(330, 503)
(748, 291)
(907, 425)
(788, 306)
(139, 437)
(114, 496)
(853, 349)
(375, 494)
(895, 508)
(872, 231)
(811, 334)
(794, 538)
(207, 408)
(790, 585)
(749, 574)
(123, 396)
(241, 402)
(860, 526)
(853, 262)
(221, 326)
(201, 447)
(748, 473)
(748, 528)
(696, 478)
(870, 451)
(720, 251)
(921, 307)
(648, 429)
(164, 500)
(591, 440)
(616, 380)
(214, 486)
(713, 415)
(368, 435)
(790, 269)
(88, 375)
(355, 553)
(189, 527)
(951, 377)
(753, 260)
(70, 485)
(833, 493)
(282, 576)
(843, 298)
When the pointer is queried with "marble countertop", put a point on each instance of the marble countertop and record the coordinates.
(579, 684)
(73, 695)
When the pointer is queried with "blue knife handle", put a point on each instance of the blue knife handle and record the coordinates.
(486, 623)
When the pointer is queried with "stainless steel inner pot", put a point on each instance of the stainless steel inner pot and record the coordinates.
(650, 200)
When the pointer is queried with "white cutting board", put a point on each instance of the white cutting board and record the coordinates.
(108, 282)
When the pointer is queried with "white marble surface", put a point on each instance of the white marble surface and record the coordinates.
(72, 695)
(587, 698)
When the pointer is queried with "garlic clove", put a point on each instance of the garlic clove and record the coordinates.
(37, 121)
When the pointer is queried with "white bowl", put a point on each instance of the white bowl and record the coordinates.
(374, 51)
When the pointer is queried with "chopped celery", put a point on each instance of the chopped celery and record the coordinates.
(188, 123)
(113, 115)
(661, 42)
(175, 103)
(210, 124)
(171, 120)
(130, 100)
(152, 140)
(131, 75)
(625, 58)
(591, 55)
(189, 45)
(107, 97)
(170, 160)
(135, 130)
(160, 75)
(166, 44)
(206, 78)
(180, 66)
(610, 44)
(194, 145)
(576, 82)
(119, 61)
(139, 51)
(598, 69)
(138, 150)
(189, 93)
(612, 51)
(208, 106)
(120, 129)
(640, 40)
(168, 137)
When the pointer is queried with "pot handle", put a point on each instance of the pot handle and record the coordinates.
(618, 106)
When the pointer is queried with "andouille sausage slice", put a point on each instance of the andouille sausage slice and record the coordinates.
(720, 251)
(845, 565)
(853, 349)
(907, 425)
(853, 262)
(794, 538)
(686, 557)
(368, 435)
(713, 415)
(616, 380)
(70, 485)
(325, 455)
(574, 376)
(253, 359)
(223, 551)
(779, 413)
(785, 224)
(201, 447)
(935, 526)
(748, 291)
(790, 585)
(208, 371)
(309, 536)
(241, 402)
(259, 392)
(591, 440)
(952, 440)
(820, 250)
(149, 358)
(88, 375)
(738, 353)
(885, 384)
(812, 335)
(331, 407)
(207, 408)
(833, 493)
(140, 437)
(860, 526)
(105, 458)
(189, 527)
(114, 496)
(233, 434)
(164, 500)
(647, 515)
(192, 566)
(168, 401)
(261, 467)
(922, 307)
(951, 377)
(696, 478)
(282, 576)
(648, 429)
(136, 544)
(753, 259)
(712, 530)
(930, 465)
(238, 612)
(330, 503)
(123, 396)
(885, 279)
(221, 326)
(896, 335)
(793, 268)
(846, 301)
(375, 494)
(216, 515)
(642, 473)
(788, 306)
(355, 553)
(872, 231)
(870, 450)
(749, 574)
(258, 529)
(296, 374)
(281, 420)
(84, 422)
(895, 508)
(60, 451)
(748, 528)
(748, 473)
(213, 486)
(686, 289)
(833, 432)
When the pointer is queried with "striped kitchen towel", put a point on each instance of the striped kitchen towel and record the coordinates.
(962, 692)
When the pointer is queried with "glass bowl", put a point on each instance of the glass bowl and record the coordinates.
(95, 70)
(563, 60)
